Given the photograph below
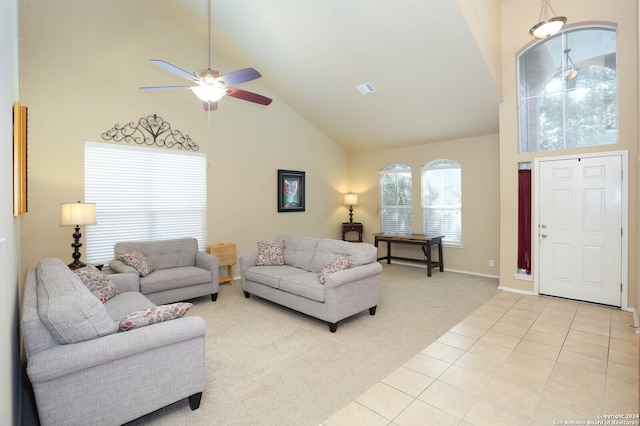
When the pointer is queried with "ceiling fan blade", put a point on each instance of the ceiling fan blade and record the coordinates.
(172, 68)
(210, 106)
(240, 76)
(248, 96)
(163, 88)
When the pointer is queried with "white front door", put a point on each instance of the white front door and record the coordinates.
(580, 228)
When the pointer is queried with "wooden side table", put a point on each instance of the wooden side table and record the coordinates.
(352, 227)
(227, 254)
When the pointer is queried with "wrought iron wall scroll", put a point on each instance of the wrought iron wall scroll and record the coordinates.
(151, 130)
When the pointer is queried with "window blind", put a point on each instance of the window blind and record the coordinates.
(442, 200)
(395, 199)
(143, 194)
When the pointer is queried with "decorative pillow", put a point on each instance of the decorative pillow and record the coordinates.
(339, 264)
(98, 283)
(154, 315)
(270, 253)
(136, 260)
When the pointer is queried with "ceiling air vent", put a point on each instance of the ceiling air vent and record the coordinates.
(365, 88)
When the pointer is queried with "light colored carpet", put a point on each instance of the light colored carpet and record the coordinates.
(267, 365)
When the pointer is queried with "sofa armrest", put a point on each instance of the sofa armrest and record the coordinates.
(209, 262)
(119, 267)
(248, 260)
(63, 360)
(126, 282)
(353, 274)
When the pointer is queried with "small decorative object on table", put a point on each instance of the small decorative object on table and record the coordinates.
(226, 252)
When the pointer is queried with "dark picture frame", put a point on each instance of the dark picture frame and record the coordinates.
(291, 191)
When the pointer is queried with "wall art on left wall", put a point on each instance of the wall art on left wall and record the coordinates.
(19, 159)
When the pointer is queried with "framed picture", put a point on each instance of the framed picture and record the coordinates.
(19, 159)
(291, 191)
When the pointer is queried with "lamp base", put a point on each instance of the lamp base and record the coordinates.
(76, 265)
(76, 252)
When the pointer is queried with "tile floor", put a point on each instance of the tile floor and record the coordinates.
(517, 360)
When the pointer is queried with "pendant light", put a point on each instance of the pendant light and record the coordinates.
(547, 26)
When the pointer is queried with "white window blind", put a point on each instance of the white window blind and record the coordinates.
(442, 200)
(395, 199)
(143, 194)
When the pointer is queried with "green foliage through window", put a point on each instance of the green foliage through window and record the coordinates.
(568, 91)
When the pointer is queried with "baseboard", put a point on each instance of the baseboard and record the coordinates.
(458, 271)
(516, 290)
(635, 318)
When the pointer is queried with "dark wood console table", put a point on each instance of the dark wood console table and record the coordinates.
(424, 241)
(352, 227)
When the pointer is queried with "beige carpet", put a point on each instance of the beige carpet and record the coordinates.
(267, 365)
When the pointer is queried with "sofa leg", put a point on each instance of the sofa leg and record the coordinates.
(247, 294)
(214, 297)
(194, 401)
(372, 310)
(333, 327)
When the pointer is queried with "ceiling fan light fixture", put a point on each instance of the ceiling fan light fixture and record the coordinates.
(547, 26)
(208, 93)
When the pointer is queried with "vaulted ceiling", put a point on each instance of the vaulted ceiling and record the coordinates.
(430, 78)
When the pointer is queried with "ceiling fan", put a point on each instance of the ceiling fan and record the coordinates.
(211, 86)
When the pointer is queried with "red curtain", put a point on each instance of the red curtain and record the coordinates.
(524, 220)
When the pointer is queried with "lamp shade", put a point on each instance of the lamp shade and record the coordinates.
(208, 92)
(74, 214)
(549, 27)
(350, 199)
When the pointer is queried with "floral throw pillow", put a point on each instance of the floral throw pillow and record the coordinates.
(98, 283)
(270, 253)
(136, 260)
(153, 315)
(339, 264)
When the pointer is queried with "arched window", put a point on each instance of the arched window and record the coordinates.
(442, 200)
(395, 199)
(568, 90)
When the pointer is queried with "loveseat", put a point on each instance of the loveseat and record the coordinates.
(84, 371)
(169, 270)
(327, 279)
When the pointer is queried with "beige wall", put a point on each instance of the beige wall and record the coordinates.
(81, 63)
(9, 226)
(480, 182)
(517, 18)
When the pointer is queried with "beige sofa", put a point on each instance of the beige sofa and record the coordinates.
(296, 284)
(179, 270)
(84, 371)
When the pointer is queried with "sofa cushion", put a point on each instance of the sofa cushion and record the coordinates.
(68, 309)
(153, 315)
(125, 303)
(341, 263)
(167, 279)
(163, 254)
(269, 275)
(270, 253)
(298, 251)
(328, 250)
(138, 261)
(303, 284)
(99, 284)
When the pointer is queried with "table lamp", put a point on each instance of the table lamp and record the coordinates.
(350, 200)
(76, 214)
